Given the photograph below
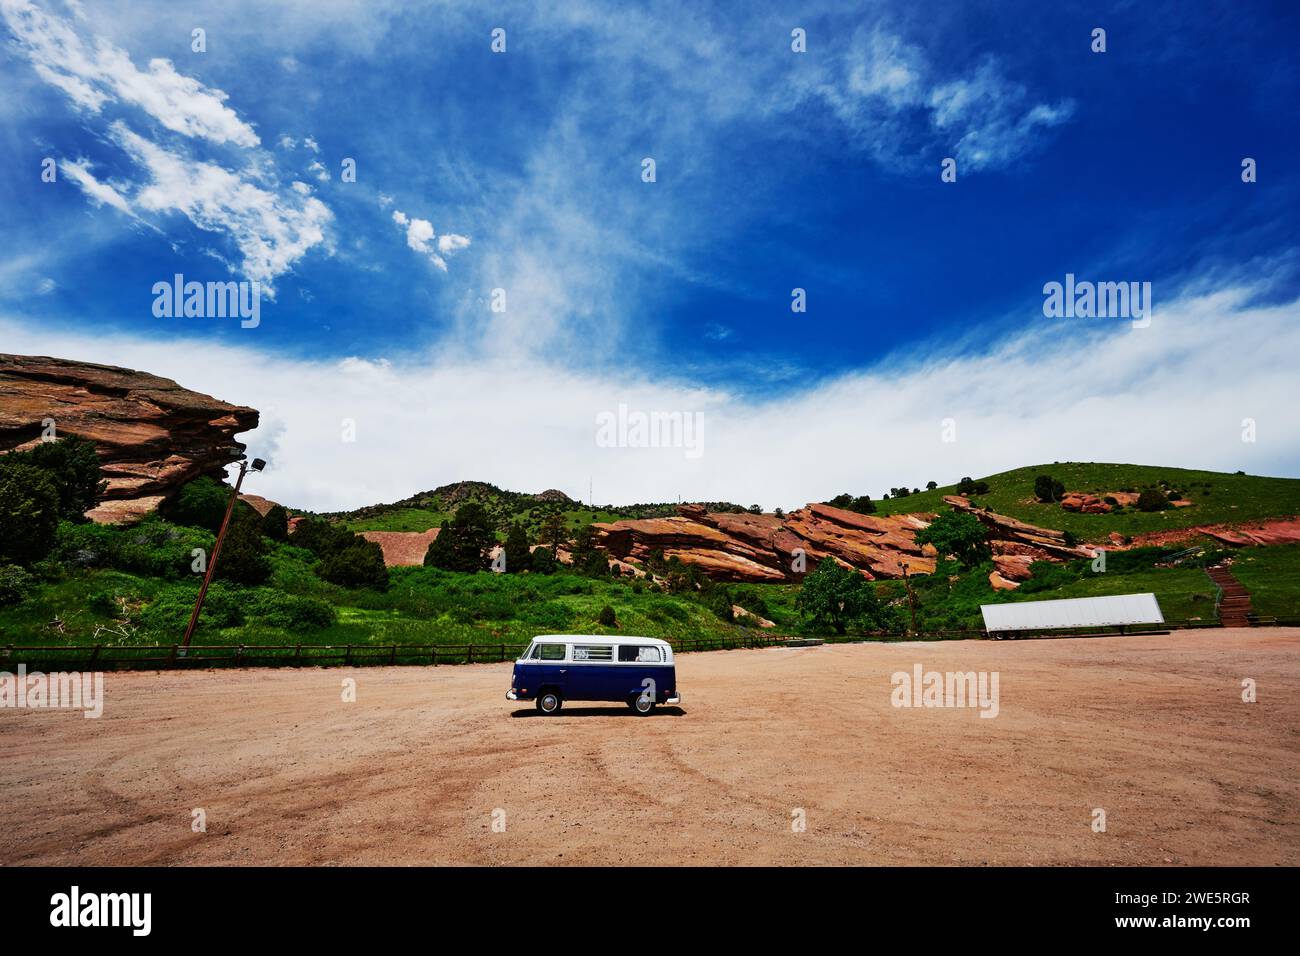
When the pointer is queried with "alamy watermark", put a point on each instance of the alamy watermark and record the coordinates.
(70, 690)
(212, 300)
(1098, 300)
(923, 688)
(637, 429)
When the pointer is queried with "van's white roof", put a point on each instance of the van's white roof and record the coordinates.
(599, 638)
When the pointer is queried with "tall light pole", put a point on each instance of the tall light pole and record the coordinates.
(244, 468)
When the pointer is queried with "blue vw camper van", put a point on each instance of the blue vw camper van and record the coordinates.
(557, 667)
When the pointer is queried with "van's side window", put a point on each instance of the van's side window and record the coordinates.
(631, 653)
(593, 652)
(551, 652)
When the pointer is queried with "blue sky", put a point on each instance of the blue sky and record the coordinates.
(774, 170)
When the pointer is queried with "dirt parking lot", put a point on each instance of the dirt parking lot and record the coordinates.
(1152, 730)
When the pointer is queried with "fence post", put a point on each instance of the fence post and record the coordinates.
(393, 658)
(171, 659)
(503, 653)
(297, 655)
(434, 655)
(469, 658)
(239, 655)
(347, 658)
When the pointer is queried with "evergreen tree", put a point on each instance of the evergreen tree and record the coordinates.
(72, 466)
(463, 543)
(518, 556)
(275, 525)
(29, 512)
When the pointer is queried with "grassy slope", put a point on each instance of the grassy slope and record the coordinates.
(1272, 576)
(425, 606)
(1227, 498)
(422, 519)
(422, 606)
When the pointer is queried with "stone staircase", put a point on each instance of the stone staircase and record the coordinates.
(1234, 606)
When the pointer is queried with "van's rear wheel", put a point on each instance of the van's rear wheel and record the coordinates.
(641, 703)
(549, 702)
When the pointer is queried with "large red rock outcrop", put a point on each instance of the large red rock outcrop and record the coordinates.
(402, 548)
(764, 547)
(152, 435)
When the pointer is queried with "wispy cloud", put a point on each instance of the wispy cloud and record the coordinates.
(897, 103)
(272, 227)
(1175, 393)
(92, 76)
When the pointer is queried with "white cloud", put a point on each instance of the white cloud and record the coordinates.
(420, 238)
(272, 230)
(1172, 394)
(319, 171)
(899, 103)
(311, 144)
(91, 77)
(100, 192)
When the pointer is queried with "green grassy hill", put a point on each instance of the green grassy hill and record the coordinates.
(429, 509)
(1216, 497)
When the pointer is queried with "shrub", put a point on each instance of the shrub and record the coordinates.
(243, 557)
(548, 614)
(358, 565)
(543, 562)
(15, 584)
(275, 525)
(72, 466)
(1048, 489)
(607, 617)
(168, 614)
(1048, 576)
(968, 487)
(1152, 500)
(718, 600)
(200, 503)
(153, 547)
(290, 611)
(29, 513)
(103, 602)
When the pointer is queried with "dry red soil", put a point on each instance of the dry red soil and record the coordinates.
(1151, 729)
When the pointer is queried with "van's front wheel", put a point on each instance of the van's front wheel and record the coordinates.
(549, 702)
(641, 703)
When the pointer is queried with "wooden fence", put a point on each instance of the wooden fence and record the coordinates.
(84, 657)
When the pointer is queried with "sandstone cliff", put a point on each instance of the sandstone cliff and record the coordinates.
(152, 435)
(763, 547)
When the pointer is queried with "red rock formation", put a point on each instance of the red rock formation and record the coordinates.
(152, 435)
(1267, 532)
(404, 548)
(749, 547)
(1010, 536)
